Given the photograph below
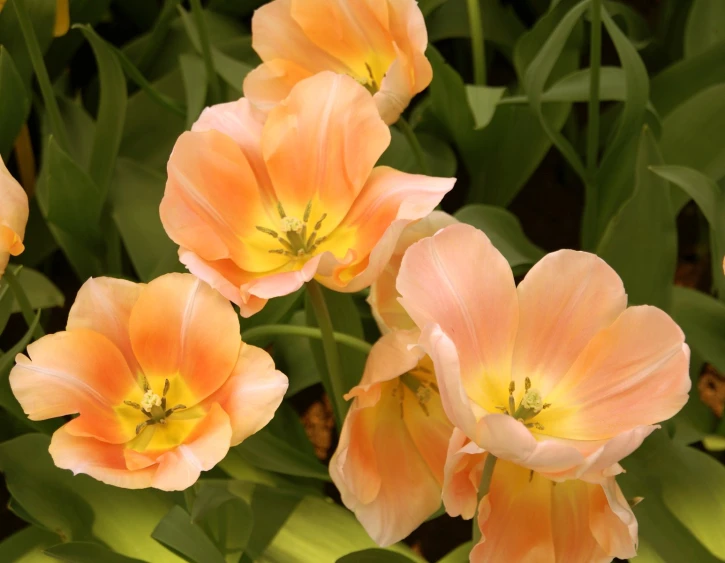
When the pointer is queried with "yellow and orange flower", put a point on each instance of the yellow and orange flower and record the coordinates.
(13, 216)
(389, 463)
(159, 376)
(258, 210)
(527, 517)
(557, 375)
(380, 43)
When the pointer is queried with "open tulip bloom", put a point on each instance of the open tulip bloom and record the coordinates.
(380, 43)
(260, 209)
(13, 216)
(558, 375)
(159, 376)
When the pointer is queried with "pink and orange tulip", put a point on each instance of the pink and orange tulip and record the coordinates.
(379, 43)
(159, 376)
(13, 217)
(258, 210)
(557, 375)
(389, 463)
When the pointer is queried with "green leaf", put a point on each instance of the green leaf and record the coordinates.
(374, 555)
(12, 94)
(27, 545)
(702, 318)
(267, 451)
(505, 232)
(638, 31)
(294, 356)
(42, 17)
(400, 156)
(696, 185)
(87, 552)
(483, 100)
(41, 292)
(195, 86)
(111, 111)
(647, 268)
(704, 26)
(458, 555)
(694, 133)
(135, 196)
(177, 532)
(274, 312)
(79, 508)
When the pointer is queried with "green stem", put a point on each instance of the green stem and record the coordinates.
(25, 307)
(415, 145)
(333, 385)
(57, 126)
(595, 63)
(478, 47)
(212, 76)
(262, 331)
(483, 489)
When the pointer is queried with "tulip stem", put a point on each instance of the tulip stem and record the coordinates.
(25, 306)
(212, 76)
(478, 46)
(262, 331)
(415, 145)
(57, 125)
(332, 380)
(483, 489)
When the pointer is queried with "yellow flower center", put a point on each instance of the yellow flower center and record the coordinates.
(296, 239)
(420, 381)
(153, 406)
(531, 404)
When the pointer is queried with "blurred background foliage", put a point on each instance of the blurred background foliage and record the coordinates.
(87, 122)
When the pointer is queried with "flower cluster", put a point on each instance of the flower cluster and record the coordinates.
(514, 404)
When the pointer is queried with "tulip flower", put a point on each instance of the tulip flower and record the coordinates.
(386, 309)
(389, 463)
(13, 217)
(159, 377)
(258, 210)
(379, 43)
(557, 375)
(526, 517)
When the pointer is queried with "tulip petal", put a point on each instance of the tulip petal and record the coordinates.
(320, 146)
(457, 280)
(462, 475)
(180, 325)
(252, 394)
(78, 371)
(564, 300)
(104, 305)
(612, 521)
(635, 372)
(13, 216)
(271, 82)
(102, 461)
(206, 446)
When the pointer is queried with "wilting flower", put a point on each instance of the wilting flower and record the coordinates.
(383, 299)
(260, 210)
(527, 517)
(13, 216)
(380, 43)
(389, 463)
(557, 375)
(159, 376)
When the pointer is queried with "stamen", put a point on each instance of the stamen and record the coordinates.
(308, 210)
(280, 210)
(132, 404)
(311, 240)
(277, 251)
(150, 400)
(145, 383)
(291, 225)
(527, 384)
(174, 409)
(166, 388)
(512, 403)
(267, 231)
(318, 225)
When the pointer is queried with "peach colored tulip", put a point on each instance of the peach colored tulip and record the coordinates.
(389, 463)
(13, 217)
(527, 517)
(159, 376)
(379, 43)
(383, 299)
(557, 375)
(258, 210)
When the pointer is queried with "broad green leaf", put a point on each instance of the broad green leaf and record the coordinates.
(111, 111)
(7, 301)
(458, 555)
(13, 94)
(86, 552)
(374, 555)
(41, 292)
(294, 357)
(638, 31)
(79, 508)
(274, 312)
(696, 420)
(705, 26)
(271, 453)
(27, 545)
(271, 509)
(483, 100)
(702, 318)
(42, 17)
(243, 471)
(647, 268)
(135, 196)
(693, 134)
(177, 532)
(399, 154)
(505, 232)
(195, 86)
